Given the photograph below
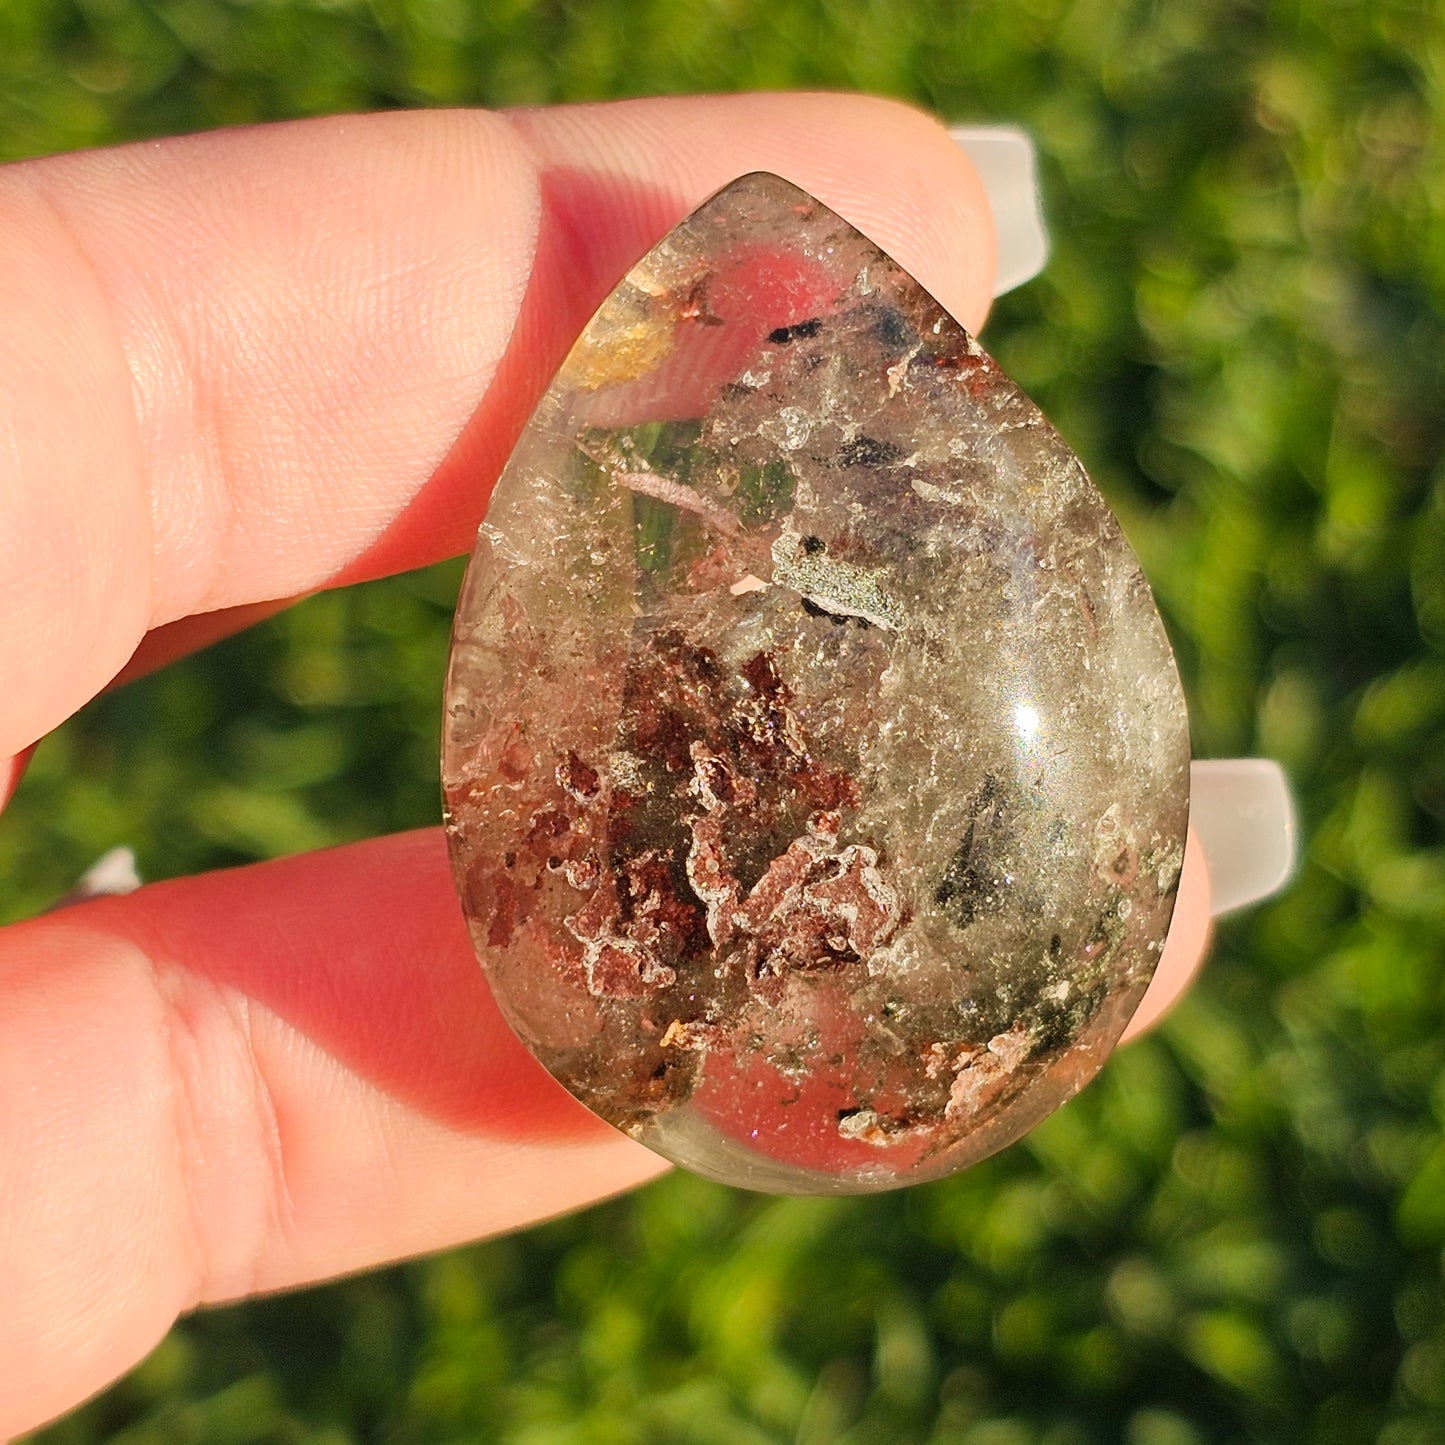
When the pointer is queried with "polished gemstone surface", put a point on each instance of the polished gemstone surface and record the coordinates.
(816, 766)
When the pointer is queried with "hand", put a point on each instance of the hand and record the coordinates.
(235, 369)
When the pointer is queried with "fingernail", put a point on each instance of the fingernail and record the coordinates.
(1241, 810)
(1003, 156)
(111, 873)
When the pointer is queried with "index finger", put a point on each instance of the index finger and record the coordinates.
(242, 366)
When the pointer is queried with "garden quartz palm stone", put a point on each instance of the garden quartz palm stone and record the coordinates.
(816, 765)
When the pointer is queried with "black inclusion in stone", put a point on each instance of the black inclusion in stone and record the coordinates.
(974, 882)
(838, 619)
(893, 331)
(784, 334)
(869, 452)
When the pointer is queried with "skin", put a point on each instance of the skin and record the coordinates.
(237, 368)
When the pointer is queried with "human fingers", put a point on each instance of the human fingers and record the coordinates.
(241, 366)
(143, 1260)
(248, 1080)
(256, 1078)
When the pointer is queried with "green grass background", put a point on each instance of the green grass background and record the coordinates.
(1237, 1233)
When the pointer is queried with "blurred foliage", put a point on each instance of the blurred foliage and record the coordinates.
(1237, 1233)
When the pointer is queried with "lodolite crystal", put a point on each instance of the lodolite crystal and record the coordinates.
(816, 766)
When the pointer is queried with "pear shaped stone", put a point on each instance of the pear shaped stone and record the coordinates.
(816, 766)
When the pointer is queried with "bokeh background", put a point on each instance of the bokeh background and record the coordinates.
(1236, 1234)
